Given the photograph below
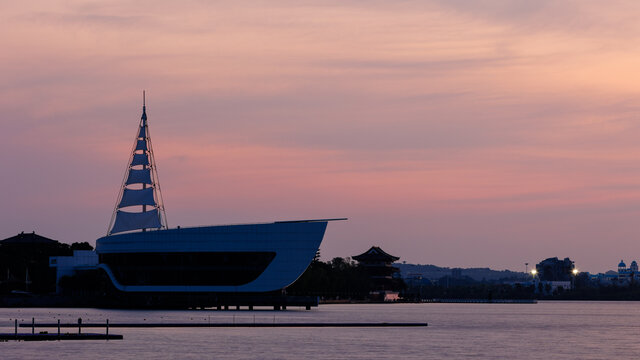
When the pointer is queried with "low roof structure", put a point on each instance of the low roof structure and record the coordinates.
(27, 239)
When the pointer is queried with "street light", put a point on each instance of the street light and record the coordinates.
(575, 272)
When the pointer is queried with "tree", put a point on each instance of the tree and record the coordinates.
(81, 246)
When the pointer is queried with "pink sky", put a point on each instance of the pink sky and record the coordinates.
(455, 133)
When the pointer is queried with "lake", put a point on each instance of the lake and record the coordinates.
(563, 330)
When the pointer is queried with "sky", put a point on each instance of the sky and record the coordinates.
(481, 133)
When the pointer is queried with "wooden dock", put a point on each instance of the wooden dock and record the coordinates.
(55, 337)
(230, 325)
(59, 335)
(79, 335)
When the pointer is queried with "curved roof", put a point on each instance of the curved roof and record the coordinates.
(375, 254)
(622, 264)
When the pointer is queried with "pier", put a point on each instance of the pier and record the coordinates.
(46, 336)
(80, 335)
(231, 325)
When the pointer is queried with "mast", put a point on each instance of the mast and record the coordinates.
(140, 187)
(144, 119)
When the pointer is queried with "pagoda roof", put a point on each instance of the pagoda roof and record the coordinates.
(28, 239)
(375, 254)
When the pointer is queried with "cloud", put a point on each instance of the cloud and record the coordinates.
(100, 20)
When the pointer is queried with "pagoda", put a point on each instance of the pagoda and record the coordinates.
(378, 265)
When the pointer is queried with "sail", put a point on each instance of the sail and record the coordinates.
(140, 187)
(126, 221)
(132, 197)
(140, 159)
(141, 145)
(139, 177)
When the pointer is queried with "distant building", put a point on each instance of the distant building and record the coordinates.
(607, 278)
(71, 265)
(627, 274)
(381, 271)
(553, 274)
(24, 263)
(553, 269)
(622, 276)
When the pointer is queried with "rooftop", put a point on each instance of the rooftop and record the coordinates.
(375, 254)
(28, 238)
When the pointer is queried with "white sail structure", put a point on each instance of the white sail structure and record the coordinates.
(140, 188)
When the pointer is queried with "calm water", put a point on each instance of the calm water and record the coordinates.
(562, 330)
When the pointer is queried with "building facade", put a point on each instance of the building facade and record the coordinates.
(627, 274)
(378, 265)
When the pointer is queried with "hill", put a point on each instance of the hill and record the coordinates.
(433, 272)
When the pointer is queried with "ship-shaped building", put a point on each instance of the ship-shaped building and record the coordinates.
(142, 256)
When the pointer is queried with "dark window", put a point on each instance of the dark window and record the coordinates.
(192, 269)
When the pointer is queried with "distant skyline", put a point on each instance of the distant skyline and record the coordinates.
(453, 133)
